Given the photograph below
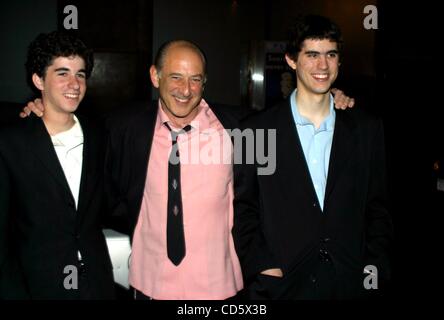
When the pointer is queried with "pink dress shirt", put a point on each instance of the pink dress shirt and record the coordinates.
(210, 269)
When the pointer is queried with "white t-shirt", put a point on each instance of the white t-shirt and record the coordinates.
(69, 148)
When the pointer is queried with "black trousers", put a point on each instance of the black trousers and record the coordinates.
(318, 282)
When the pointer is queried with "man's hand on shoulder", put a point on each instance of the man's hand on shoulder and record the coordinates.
(341, 100)
(35, 107)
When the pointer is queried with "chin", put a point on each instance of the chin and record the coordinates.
(181, 113)
(322, 90)
(71, 108)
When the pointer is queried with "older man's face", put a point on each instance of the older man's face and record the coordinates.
(180, 83)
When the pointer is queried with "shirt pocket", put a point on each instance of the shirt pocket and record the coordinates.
(207, 180)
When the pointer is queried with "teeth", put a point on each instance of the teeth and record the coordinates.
(320, 76)
(71, 95)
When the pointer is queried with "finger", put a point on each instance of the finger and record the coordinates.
(39, 104)
(33, 108)
(351, 103)
(341, 102)
(345, 101)
(25, 112)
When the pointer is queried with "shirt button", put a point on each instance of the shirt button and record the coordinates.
(315, 161)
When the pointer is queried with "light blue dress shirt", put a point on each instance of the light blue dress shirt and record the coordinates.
(316, 144)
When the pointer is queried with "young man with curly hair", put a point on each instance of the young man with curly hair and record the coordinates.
(51, 244)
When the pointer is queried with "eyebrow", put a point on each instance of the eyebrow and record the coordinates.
(317, 52)
(181, 75)
(175, 74)
(67, 69)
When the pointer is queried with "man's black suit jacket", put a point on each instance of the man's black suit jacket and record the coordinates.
(40, 229)
(279, 223)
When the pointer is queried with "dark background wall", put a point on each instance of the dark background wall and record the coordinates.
(392, 71)
(19, 23)
(126, 34)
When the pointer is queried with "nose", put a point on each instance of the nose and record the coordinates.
(185, 87)
(74, 82)
(323, 63)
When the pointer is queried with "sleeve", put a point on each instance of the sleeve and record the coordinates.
(4, 213)
(249, 239)
(379, 231)
(116, 204)
(12, 279)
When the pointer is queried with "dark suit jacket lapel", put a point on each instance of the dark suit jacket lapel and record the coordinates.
(41, 145)
(344, 140)
(290, 156)
(91, 164)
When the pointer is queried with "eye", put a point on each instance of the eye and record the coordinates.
(175, 78)
(197, 80)
(62, 74)
(81, 75)
(332, 55)
(312, 54)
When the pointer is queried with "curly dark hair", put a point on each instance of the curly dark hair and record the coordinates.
(48, 46)
(312, 27)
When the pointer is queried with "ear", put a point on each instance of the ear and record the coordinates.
(290, 62)
(38, 82)
(154, 76)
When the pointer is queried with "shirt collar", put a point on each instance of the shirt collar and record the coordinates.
(201, 121)
(72, 136)
(328, 123)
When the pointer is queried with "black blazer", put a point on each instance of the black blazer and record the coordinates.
(279, 223)
(128, 152)
(40, 228)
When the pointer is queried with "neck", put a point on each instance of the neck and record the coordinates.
(314, 107)
(57, 122)
(180, 122)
